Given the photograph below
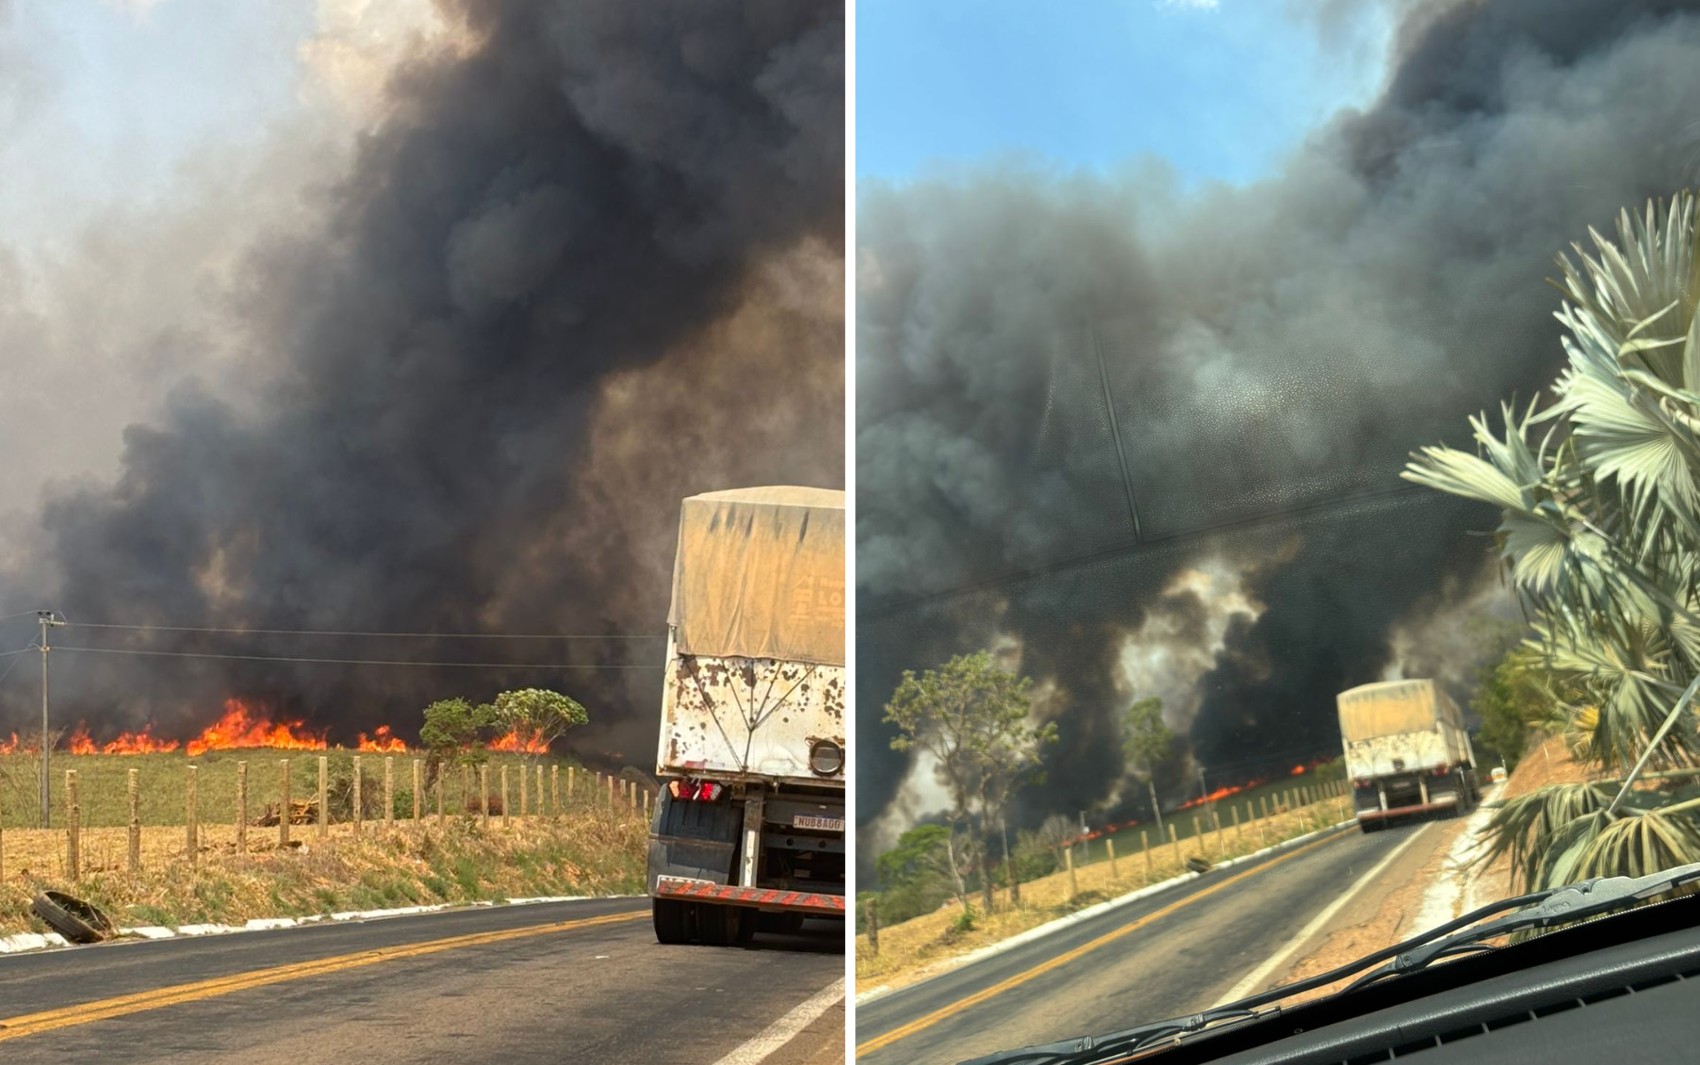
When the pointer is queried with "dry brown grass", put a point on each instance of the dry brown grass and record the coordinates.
(593, 850)
(918, 947)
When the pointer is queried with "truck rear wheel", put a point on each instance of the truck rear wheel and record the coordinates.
(672, 920)
(725, 926)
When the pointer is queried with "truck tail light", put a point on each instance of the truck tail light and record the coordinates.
(1360, 784)
(1440, 770)
(694, 791)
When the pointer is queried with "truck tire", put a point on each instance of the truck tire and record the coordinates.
(78, 921)
(1371, 826)
(672, 920)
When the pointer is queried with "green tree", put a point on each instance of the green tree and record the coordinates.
(537, 717)
(1146, 744)
(451, 733)
(973, 718)
(914, 876)
(1599, 501)
(1509, 699)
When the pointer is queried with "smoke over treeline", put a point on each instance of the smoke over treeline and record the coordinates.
(588, 262)
(1083, 401)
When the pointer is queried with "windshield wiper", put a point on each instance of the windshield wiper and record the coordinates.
(1541, 909)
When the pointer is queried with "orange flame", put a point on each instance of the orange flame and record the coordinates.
(382, 741)
(1298, 771)
(518, 741)
(242, 727)
(141, 742)
(13, 745)
(1215, 796)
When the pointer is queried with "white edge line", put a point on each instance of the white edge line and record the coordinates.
(25, 942)
(786, 1028)
(1254, 980)
(1052, 927)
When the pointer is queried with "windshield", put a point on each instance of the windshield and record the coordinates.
(1205, 642)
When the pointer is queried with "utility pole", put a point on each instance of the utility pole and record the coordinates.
(1204, 793)
(46, 619)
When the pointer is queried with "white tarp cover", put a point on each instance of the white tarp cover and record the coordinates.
(1393, 708)
(760, 574)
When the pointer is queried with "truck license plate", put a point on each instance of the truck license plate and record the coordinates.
(819, 824)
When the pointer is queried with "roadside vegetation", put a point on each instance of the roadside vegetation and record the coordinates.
(515, 821)
(593, 850)
(1599, 500)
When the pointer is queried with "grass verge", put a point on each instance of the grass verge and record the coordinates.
(596, 850)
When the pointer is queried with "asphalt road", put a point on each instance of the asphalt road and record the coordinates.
(574, 981)
(1169, 955)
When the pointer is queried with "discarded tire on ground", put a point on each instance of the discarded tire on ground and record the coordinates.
(71, 917)
(1198, 865)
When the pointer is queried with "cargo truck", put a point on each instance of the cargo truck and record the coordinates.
(1407, 752)
(748, 832)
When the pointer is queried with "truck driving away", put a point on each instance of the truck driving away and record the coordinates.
(1406, 752)
(748, 834)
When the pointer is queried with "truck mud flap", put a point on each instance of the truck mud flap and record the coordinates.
(772, 900)
(693, 840)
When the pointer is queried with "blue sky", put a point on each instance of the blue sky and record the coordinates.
(1220, 91)
(116, 95)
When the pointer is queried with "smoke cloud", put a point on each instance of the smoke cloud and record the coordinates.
(1073, 389)
(586, 260)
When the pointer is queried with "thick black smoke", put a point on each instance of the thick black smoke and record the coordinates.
(1072, 389)
(587, 264)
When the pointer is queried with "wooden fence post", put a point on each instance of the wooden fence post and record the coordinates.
(73, 828)
(283, 803)
(1110, 845)
(504, 796)
(135, 821)
(389, 792)
(418, 789)
(1263, 806)
(484, 792)
(241, 807)
(1221, 847)
(524, 787)
(359, 813)
(1197, 835)
(324, 797)
(555, 789)
(873, 913)
(1175, 845)
(570, 771)
(1073, 883)
(1145, 848)
(441, 773)
(191, 819)
(538, 809)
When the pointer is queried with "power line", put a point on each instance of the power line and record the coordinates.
(340, 632)
(351, 661)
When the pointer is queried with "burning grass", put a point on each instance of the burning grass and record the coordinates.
(916, 948)
(592, 850)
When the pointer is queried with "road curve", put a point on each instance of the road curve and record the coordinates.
(573, 981)
(1168, 955)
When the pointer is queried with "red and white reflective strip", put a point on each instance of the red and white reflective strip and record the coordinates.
(777, 899)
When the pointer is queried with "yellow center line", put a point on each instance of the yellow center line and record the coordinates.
(927, 1021)
(157, 998)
